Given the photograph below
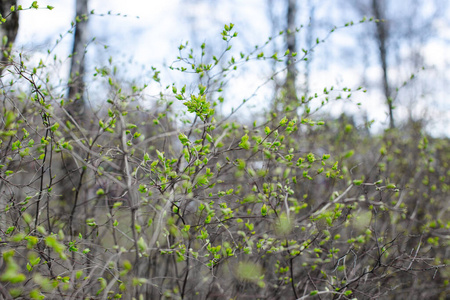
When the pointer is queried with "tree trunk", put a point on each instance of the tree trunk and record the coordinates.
(291, 94)
(8, 29)
(309, 44)
(73, 184)
(382, 34)
(76, 99)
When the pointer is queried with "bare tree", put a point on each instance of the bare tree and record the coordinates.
(287, 101)
(382, 36)
(400, 34)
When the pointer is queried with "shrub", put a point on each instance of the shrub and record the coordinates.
(163, 202)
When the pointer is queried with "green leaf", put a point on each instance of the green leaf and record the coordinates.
(11, 273)
(183, 139)
(283, 225)
(24, 152)
(103, 284)
(283, 121)
(10, 117)
(160, 155)
(146, 157)
(249, 271)
(349, 154)
(245, 144)
(142, 245)
(264, 210)
(59, 248)
(10, 229)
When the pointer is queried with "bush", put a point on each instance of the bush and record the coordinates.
(162, 202)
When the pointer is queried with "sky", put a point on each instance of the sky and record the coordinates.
(148, 32)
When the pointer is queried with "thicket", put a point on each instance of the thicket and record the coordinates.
(170, 199)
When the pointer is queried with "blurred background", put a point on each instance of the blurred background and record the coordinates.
(402, 62)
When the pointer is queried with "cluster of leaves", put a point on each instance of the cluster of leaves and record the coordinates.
(123, 207)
